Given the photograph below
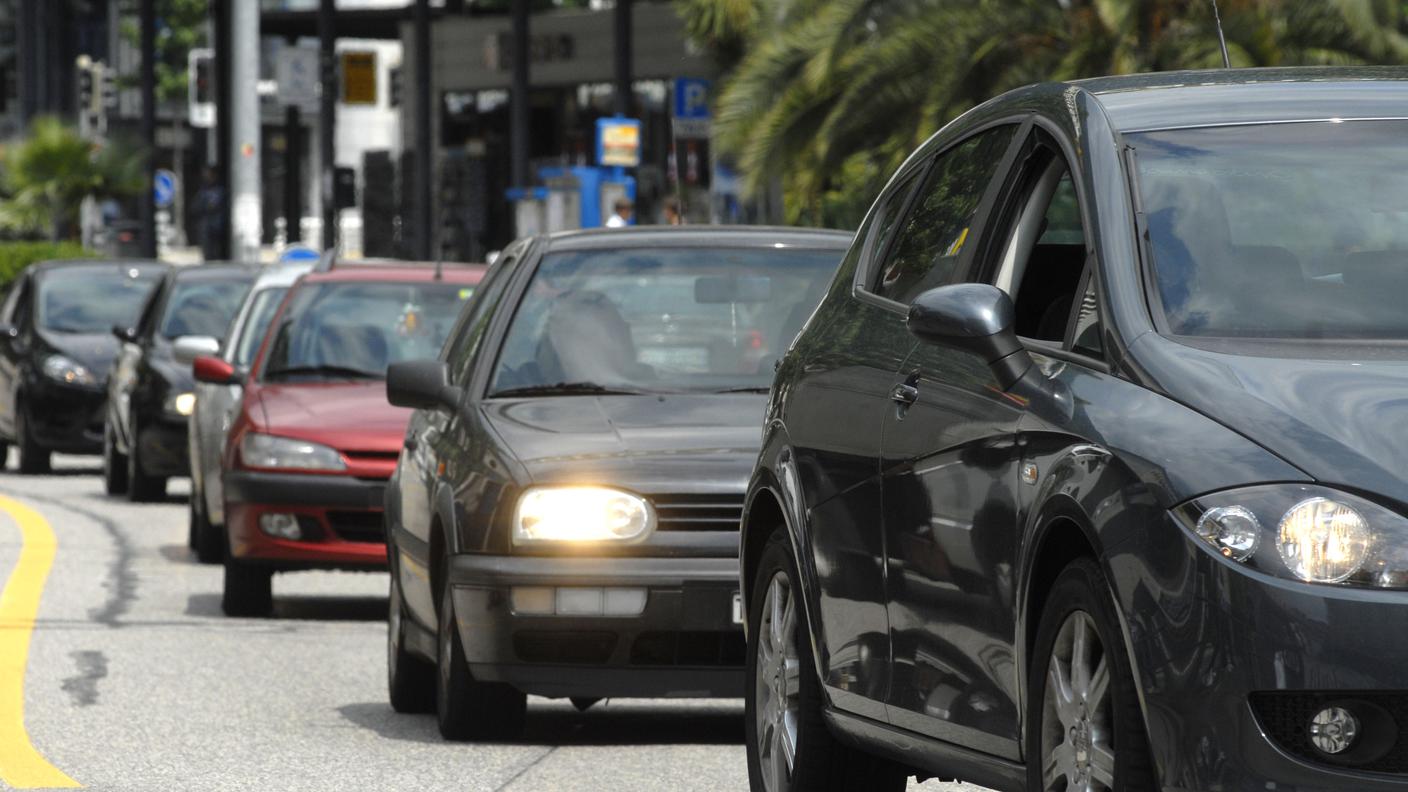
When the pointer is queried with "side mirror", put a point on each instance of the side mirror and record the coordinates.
(421, 385)
(975, 318)
(188, 348)
(124, 334)
(214, 371)
(9, 332)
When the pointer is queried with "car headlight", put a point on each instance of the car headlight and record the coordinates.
(268, 451)
(67, 370)
(581, 514)
(182, 404)
(1304, 532)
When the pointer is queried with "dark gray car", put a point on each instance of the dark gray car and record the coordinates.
(1091, 470)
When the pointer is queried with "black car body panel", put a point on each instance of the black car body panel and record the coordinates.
(64, 416)
(926, 552)
(451, 504)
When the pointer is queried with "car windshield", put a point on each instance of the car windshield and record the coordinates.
(263, 304)
(93, 299)
(659, 320)
(202, 307)
(1287, 231)
(354, 330)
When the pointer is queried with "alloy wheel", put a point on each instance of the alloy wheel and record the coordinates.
(1077, 749)
(778, 684)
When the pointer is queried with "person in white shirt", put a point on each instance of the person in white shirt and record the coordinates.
(622, 217)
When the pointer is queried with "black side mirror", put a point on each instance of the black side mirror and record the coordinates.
(9, 332)
(975, 318)
(124, 334)
(421, 385)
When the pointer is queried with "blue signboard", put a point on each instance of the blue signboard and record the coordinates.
(164, 188)
(691, 98)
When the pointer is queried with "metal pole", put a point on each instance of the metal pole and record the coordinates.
(425, 151)
(518, 97)
(246, 218)
(327, 118)
(624, 44)
(293, 173)
(147, 201)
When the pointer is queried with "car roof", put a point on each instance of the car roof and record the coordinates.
(143, 264)
(281, 275)
(393, 272)
(214, 272)
(699, 236)
(1165, 100)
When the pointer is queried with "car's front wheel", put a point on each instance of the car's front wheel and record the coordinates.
(410, 680)
(790, 748)
(141, 487)
(1084, 724)
(114, 465)
(34, 458)
(467, 709)
(249, 590)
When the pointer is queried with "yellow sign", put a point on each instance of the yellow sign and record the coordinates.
(359, 78)
(618, 142)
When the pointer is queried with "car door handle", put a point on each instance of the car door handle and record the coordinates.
(905, 394)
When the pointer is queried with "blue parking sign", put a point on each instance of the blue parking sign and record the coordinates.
(692, 98)
(164, 186)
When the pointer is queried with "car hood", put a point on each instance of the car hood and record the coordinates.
(1340, 413)
(95, 351)
(652, 444)
(349, 416)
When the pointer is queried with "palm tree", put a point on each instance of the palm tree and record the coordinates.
(830, 95)
(49, 173)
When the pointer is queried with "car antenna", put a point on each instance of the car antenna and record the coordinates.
(1221, 38)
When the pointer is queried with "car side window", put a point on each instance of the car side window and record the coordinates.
(149, 312)
(1045, 260)
(887, 217)
(461, 353)
(936, 232)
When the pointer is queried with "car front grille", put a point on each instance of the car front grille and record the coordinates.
(358, 526)
(704, 648)
(698, 512)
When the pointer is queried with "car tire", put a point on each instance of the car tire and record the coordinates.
(208, 541)
(34, 458)
(249, 590)
(141, 488)
(114, 465)
(410, 679)
(1087, 727)
(4, 454)
(465, 709)
(783, 699)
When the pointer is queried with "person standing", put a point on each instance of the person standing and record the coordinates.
(622, 216)
(210, 215)
(672, 212)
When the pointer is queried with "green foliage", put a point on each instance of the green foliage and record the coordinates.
(15, 256)
(48, 173)
(180, 28)
(827, 97)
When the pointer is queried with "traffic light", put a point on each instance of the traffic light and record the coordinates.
(85, 84)
(201, 87)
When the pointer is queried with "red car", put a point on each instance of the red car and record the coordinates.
(314, 442)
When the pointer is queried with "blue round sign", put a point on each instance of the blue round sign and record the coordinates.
(295, 253)
(164, 188)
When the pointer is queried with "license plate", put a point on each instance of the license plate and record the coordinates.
(737, 608)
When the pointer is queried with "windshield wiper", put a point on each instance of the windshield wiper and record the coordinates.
(747, 389)
(566, 389)
(332, 372)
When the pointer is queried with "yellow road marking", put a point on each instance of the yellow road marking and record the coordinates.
(21, 766)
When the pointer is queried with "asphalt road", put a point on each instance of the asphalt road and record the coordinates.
(135, 681)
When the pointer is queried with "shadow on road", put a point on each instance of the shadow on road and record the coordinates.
(179, 554)
(603, 725)
(61, 472)
(300, 608)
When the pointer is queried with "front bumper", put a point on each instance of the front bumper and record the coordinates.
(66, 418)
(341, 517)
(684, 643)
(1234, 663)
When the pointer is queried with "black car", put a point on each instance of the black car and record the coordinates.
(564, 518)
(151, 392)
(1091, 470)
(56, 348)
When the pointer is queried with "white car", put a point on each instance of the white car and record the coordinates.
(216, 405)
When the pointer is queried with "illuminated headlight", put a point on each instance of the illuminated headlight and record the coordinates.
(181, 404)
(68, 371)
(581, 514)
(268, 451)
(1304, 532)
